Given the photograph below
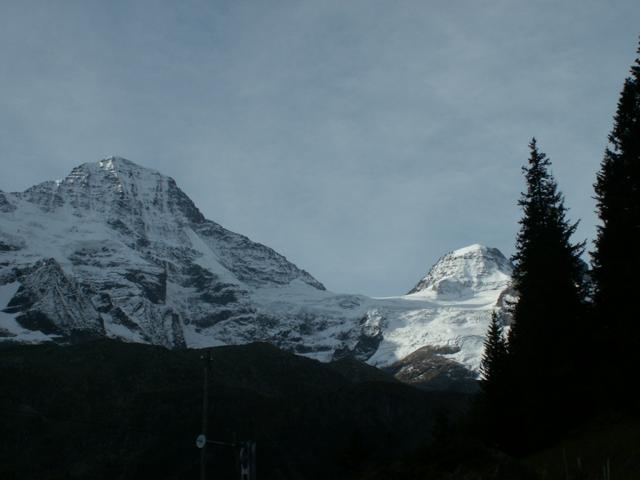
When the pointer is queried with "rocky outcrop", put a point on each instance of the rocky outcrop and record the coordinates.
(50, 301)
(430, 369)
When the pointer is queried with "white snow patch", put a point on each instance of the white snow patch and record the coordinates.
(209, 260)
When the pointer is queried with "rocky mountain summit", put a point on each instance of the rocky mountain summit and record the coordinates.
(466, 272)
(118, 250)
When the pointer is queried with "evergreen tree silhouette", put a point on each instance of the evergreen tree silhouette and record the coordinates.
(494, 383)
(545, 342)
(494, 360)
(616, 259)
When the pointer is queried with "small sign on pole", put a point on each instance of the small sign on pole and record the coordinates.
(247, 460)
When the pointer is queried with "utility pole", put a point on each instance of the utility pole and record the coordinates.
(205, 415)
(245, 451)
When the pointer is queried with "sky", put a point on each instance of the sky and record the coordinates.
(361, 139)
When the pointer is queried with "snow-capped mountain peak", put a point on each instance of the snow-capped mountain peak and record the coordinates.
(139, 251)
(465, 272)
(117, 186)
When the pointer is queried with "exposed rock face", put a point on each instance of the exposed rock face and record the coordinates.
(430, 369)
(49, 301)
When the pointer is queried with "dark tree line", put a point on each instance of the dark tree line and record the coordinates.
(616, 259)
(568, 352)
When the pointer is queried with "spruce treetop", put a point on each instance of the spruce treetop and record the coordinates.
(493, 365)
(545, 233)
(547, 268)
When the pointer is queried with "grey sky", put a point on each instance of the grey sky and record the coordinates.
(361, 139)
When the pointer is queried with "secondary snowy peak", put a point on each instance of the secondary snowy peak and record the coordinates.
(442, 322)
(465, 272)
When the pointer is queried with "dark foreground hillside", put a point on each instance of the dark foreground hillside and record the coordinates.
(111, 410)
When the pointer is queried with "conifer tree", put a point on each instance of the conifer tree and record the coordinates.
(548, 274)
(493, 365)
(545, 339)
(494, 403)
(616, 259)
